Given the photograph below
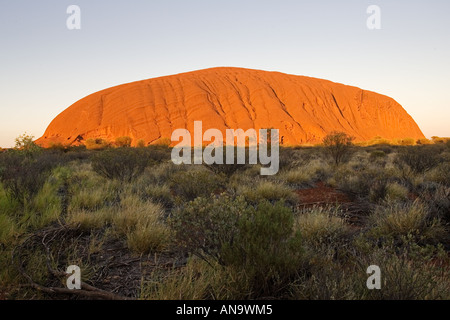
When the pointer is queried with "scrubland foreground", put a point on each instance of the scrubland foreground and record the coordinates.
(140, 227)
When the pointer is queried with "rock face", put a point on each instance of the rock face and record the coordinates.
(304, 109)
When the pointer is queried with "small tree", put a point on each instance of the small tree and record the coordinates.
(437, 140)
(25, 142)
(140, 143)
(163, 142)
(96, 144)
(23, 175)
(420, 159)
(338, 145)
(407, 142)
(57, 146)
(423, 141)
(123, 141)
(124, 164)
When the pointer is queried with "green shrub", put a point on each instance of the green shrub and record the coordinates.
(7, 228)
(367, 182)
(396, 192)
(424, 141)
(151, 236)
(123, 141)
(411, 219)
(321, 226)
(197, 280)
(159, 174)
(157, 193)
(157, 153)
(378, 191)
(259, 243)
(25, 143)
(406, 274)
(308, 173)
(438, 140)
(205, 225)
(77, 153)
(245, 180)
(124, 164)
(8, 205)
(298, 176)
(163, 142)
(84, 192)
(86, 195)
(438, 201)
(411, 272)
(46, 205)
(420, 159)
(23, 176)
(377, 154)
(440, 174)
(407, 142)
(89, 220)
(267, 190)
(97, 144)
(288, 158)
(386, 148)
(196, 183)
(339, 146)
(142, 224)
(378, 141)
(409, 280)
(267, 249)
(291, 158)
(226, 169)
(330, 281)
(140, 143)
(57, 146)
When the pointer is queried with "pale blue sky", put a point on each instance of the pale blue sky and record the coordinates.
(45, 67)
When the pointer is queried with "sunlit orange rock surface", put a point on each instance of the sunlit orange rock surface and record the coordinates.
(304, 109)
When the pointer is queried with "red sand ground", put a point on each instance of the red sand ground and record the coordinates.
(321, 195)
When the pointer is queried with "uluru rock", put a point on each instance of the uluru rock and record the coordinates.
(304, 109)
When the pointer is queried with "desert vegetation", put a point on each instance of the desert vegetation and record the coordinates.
(141, 227)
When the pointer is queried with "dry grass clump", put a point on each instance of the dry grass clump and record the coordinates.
(402, 220)
(142, 224)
